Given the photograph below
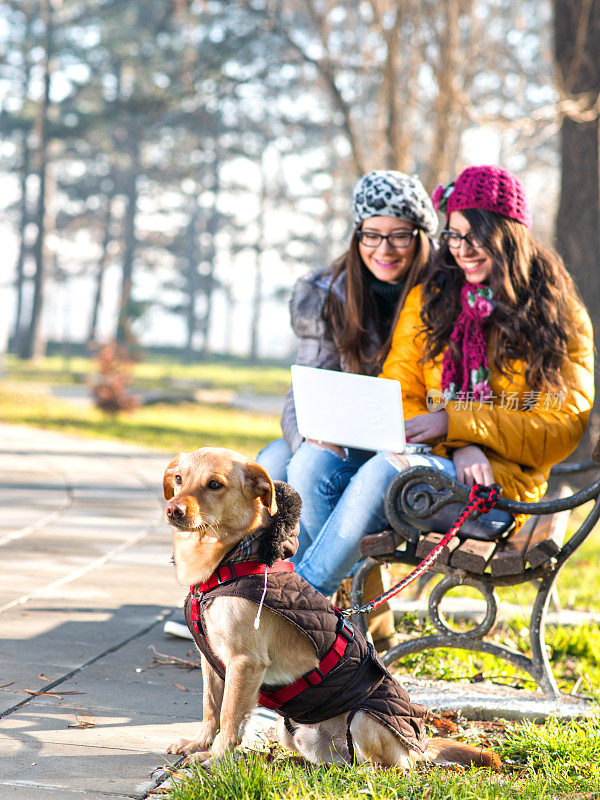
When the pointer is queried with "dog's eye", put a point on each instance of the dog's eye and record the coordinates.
(178, 480)
(214, 484)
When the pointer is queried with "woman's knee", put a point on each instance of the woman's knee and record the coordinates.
(317, 469)
(275, 458)
(374, 476)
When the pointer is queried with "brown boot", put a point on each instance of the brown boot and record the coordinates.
(380, 621)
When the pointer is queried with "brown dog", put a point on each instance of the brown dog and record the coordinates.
(218, 499)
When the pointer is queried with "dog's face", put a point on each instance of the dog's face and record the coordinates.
(215, 497)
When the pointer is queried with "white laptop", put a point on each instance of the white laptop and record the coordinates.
(351, 410)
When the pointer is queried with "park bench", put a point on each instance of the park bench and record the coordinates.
(421, 503)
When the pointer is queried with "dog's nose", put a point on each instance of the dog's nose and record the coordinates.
(175, 510)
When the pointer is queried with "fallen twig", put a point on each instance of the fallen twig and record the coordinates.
(50, 694)
(82, 722)
(183, 688)
(162, 659)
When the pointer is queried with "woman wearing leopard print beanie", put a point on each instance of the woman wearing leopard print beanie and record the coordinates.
(344, 316)
(496, 339)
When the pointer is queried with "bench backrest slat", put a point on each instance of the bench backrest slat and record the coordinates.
(549, 534)
(509, 558)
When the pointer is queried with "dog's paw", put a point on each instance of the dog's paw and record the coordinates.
(203, 740)
(186, 747)
(203, 758)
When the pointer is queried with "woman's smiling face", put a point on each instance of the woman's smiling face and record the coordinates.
(475, 262)
(385, 262)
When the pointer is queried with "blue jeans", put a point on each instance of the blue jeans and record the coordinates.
(275, 458)
(320, 477)
(347, 502)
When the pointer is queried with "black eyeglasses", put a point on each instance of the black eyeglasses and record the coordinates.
(396, 240)
(454, 239)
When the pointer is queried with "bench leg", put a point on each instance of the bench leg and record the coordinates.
(463, 642)
(538, 666)
(357, 591)
(537, 631)
(422, 582)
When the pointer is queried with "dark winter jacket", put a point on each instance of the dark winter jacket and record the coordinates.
(351, 678)
(358, 681)
(316, 347)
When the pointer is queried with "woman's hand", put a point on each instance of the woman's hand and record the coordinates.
(472, 466)
(335, 448)
(426, 427)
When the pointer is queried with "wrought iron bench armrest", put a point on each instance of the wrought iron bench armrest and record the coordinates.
(415, 496)
(419, 492)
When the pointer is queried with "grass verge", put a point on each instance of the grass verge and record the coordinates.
(163, 427)
(548, 761)
(157, 373)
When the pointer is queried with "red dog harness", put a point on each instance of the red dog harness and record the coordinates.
(277, 698)
(229, 572)
(349, 677)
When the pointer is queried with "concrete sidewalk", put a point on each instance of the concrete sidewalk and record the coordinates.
(85, 585)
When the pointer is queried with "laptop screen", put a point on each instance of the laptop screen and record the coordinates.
(347, 409)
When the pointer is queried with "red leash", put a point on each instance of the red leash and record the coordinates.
(481, 498)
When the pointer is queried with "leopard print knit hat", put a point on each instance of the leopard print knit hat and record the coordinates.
(388, 193)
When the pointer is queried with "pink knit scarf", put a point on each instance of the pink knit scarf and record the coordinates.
(466, 376)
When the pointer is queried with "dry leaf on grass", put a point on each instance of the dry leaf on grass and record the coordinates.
(445, 726)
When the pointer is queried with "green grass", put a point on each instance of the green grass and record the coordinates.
(157, 373)
(549, 761)
(573, 650)
(164, 427)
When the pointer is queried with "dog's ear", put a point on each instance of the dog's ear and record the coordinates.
(261, 484)
(169, 479)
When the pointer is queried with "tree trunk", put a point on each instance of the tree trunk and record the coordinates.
(32, 344)
(101, 266)
(392, 114)
(446, 104)
(192, 257)
(17, 344)
(212, 228)
(258, 249)
(123, 332)
(577, 50)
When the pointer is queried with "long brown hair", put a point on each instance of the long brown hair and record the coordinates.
(532, 290)
(349, 319)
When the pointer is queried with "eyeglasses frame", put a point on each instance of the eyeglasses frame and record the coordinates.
(466, 238)
(360, 233)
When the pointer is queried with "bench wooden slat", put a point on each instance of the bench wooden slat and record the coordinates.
(473, 555)
(431, 540)
(509, 558)
(379, 544)
(549, 534)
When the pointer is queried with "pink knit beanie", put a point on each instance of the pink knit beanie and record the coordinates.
(488, 188)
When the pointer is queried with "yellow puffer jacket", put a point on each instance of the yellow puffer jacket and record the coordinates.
(521, 445)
